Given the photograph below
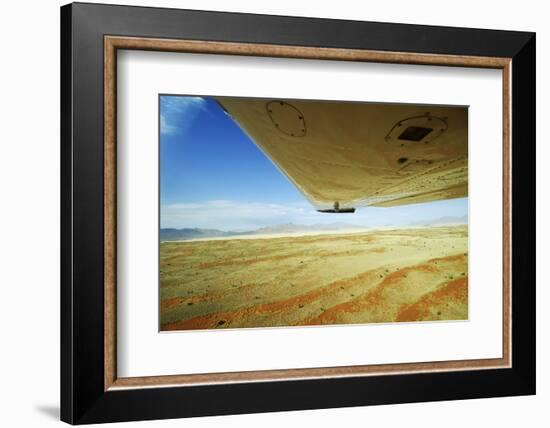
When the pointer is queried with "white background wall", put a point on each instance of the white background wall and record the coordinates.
(29, 214)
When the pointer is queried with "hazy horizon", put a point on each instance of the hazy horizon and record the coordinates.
(173, 218)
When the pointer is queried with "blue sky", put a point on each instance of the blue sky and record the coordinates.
(213, 176)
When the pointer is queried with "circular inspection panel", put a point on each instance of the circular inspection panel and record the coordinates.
(417, 129)
(286, 118)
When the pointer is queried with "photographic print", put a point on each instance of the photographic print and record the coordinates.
(288, 212)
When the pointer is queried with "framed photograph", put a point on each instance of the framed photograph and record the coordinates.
(265, 213)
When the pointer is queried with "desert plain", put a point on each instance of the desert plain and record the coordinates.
(399, 275)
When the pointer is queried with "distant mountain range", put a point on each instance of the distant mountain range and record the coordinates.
(194, 233)
(291, 228)
(285, 228)
(442, 221)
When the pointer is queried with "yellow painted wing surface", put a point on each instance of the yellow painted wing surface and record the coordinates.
(344, 155)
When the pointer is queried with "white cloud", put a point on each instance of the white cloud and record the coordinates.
(178, 112)
(165, 128)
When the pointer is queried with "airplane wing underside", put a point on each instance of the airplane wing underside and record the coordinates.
(344, 155)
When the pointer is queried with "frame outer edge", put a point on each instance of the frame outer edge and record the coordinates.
(82, 385)
(87, 211)
(241, 27)
(524, 218)
(66, 226)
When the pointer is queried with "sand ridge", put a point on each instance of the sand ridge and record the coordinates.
(374, 276)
